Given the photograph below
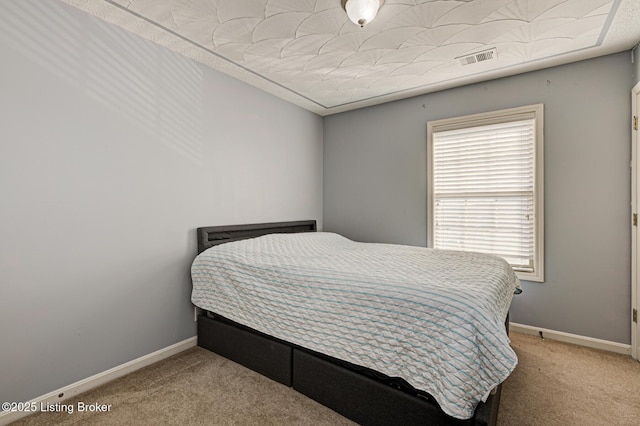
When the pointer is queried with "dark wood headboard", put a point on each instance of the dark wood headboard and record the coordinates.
(210, 236)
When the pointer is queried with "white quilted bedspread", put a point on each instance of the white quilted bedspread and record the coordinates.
(432, 317)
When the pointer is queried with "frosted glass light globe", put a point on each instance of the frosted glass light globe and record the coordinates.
(362, 12)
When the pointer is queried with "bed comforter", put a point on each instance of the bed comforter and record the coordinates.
(432, 317)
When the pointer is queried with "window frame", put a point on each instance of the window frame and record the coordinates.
(536, 112)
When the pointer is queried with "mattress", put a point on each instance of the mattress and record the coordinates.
(434, 318)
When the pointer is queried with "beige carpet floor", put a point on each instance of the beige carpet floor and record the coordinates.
(554, 384)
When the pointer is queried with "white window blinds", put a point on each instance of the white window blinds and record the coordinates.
(483, 187)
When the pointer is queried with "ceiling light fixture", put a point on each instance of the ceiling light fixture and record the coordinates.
(361, 12)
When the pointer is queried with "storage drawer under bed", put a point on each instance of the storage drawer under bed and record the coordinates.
(370, 402)
(352, 394)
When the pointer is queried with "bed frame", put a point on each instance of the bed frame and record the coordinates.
(360, 394)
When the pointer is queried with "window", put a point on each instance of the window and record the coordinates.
(486, 186)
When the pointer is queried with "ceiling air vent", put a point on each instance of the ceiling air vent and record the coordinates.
(474, 58)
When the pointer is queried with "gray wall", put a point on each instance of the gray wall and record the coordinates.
(636, 64)
(113, 150)
(375, 184)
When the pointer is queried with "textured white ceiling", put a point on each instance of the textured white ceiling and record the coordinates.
(309, 53)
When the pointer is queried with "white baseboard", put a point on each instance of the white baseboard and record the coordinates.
(96, 380)
(575, 339)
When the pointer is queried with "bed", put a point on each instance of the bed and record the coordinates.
(354, 326)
